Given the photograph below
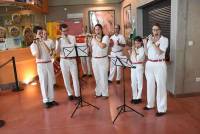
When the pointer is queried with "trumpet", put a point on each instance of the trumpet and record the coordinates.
(90, 35)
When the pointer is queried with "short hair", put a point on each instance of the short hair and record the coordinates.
(99, 25)
(157, 24)
(36, 28)
(138, 38)
(118, 26)
(63, 26)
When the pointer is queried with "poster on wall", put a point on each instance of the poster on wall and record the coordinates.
(127, 21)
(104, 17)
(53, 29)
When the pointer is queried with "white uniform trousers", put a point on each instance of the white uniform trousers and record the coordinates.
(85, 64)
(46, 81)
(69, 66)
(137, 81)
(53, 75)
(156, 72)
(100, 70)
(113, 68)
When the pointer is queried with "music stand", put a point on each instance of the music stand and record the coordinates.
(124, 62)
(78, 51)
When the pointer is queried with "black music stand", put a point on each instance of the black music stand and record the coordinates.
(78, 51)
(124, 62)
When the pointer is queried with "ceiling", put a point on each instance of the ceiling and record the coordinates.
(80, 2)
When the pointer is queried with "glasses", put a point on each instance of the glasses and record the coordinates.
(155, 29)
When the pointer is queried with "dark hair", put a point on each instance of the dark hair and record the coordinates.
(157, 24)
(63, 26)
(118, 26)
(99, 25)
(36, 28)
(139, 39)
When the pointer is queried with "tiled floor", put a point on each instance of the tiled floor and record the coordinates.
(24, 113)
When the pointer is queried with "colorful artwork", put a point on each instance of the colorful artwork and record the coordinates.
(104, 17)
(53, 30)
(127, 21)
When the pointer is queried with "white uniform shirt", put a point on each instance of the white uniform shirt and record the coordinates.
(121, 39)
(153, 54)
(140, 57)
(64, 43)
(49, 43)
(44, 55)
(97, 51)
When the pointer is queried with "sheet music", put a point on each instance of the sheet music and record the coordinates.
(124, 62)
(82, 50)
(113, 59)
(69, 51)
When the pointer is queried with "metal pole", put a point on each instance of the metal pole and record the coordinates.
(15, 74)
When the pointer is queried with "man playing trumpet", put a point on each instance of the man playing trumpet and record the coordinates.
(44, 66)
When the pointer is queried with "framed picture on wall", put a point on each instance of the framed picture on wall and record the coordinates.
(104, 17)
(127, 21)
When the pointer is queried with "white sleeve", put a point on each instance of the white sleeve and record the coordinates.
(106, 40)
(140, 56)
(122, 40)
(33, 48)
(52, 45)
(164, 44)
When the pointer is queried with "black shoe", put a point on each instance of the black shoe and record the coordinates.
(138, 101)
(2, 123)
(133, 101)
(118, 81)
(89, 75)
(84, 75)
(54, 103)
(48, 105)
(109, 81)
(158, 114)
(71, 97)
(55, 85)
(98, 96)
(77, 98)
(146, 108)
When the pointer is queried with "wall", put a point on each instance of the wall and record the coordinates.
(137, 13)
(80, 2)
(184, 66)
(57, 13)
(192, 64)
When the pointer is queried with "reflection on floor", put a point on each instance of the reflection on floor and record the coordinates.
(24, 113)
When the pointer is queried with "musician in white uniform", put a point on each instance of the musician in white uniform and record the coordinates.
(117, 50)
(137, 58)
(51, 45)
(68, 64)
(85, 61)
(44, 66)
(156, 71)
(99, 45)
